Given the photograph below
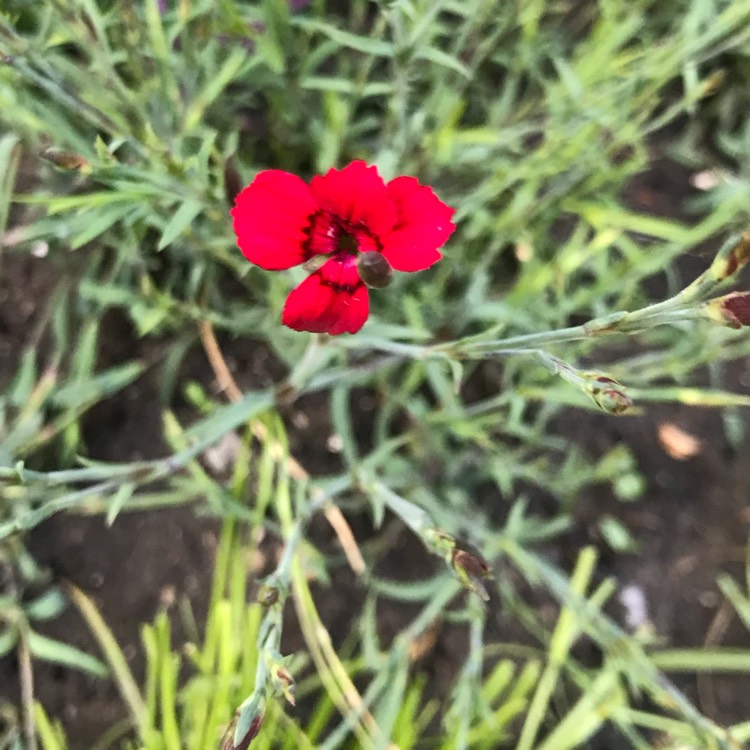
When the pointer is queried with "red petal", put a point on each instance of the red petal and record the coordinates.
(332, 300)
(423, 225)
(358, 195)
(323, 234)
(271, 216)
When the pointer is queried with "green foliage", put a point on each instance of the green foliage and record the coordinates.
(127, 131)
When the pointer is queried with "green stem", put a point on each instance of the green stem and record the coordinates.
(663, 313)
(270, 632)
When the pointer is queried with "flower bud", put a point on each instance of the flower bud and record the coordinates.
(472, 570)
(374, 269)
(267, 595)
(610, 395)
(732, 258)
(64, 159)
(284, 683)
(232, 742)
(470, 567)
(730, 310)
(603, 390)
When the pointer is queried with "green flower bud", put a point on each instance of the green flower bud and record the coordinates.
(731, 258)
(610, 396)
(267, 595)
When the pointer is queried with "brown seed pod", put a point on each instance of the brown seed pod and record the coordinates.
(374, 269)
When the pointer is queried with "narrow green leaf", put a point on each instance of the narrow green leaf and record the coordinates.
(8, 640)
(443, 59)
(602, 698)
(25, 379)
(366, 44)
(50, 734)
(703, 660)
(116, 659)
(182, 218)
(736, 596)
(10, 157)
(342, 423)
(345, 86)
(58, 652)
(46, 607)
(234, 66)
(118, 501)
(104, 220)
(97, 387)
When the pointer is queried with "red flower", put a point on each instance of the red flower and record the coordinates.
(281, 221)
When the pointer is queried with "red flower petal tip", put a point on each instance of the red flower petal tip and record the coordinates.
(332, 227)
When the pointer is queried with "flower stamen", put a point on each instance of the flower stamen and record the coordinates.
(347, 242)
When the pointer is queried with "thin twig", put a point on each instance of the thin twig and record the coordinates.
(228, 385)
(714, 636)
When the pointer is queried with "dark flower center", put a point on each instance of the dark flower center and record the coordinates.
(329, 235)
(347, 242)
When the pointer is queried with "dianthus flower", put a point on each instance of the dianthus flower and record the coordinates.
(347, 227)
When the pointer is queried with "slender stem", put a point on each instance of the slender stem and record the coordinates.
(26, 679)
(527, 341)
(679, 308)
(653, 315)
